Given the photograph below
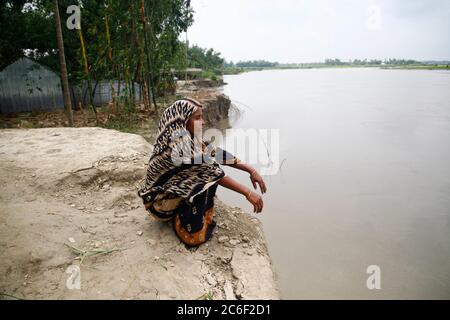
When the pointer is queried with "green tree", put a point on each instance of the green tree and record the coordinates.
(131, 41)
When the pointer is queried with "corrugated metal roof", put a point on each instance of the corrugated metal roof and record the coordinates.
(28, 86)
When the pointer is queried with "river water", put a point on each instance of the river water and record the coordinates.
(363, 179)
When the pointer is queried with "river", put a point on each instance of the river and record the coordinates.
(363, 179)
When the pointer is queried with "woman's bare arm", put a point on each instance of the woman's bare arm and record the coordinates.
(255, 177)
(251, 196)
(242, 166)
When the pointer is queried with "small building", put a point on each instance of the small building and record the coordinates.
(26, 85)
(102, 92)
(189, 73)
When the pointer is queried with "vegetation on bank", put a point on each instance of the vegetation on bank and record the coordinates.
(136, 43)
(245, 66)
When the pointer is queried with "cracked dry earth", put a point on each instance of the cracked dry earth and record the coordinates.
(64, 189)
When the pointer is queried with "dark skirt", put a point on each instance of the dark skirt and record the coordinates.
(192, 222)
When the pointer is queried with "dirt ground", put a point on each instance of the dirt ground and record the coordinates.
(76, 187)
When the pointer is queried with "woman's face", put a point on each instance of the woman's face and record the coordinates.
(195, 121)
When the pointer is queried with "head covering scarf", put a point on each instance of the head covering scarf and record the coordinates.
(184, 179)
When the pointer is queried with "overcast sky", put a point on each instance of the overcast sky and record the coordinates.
(313, 30)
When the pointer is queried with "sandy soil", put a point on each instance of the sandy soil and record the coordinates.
(77, 186)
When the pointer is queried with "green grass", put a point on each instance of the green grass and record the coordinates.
(206, 296)
(82, 254)
(127, 122)
(208, 74)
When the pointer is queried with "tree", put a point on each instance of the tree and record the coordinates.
(62, 60)
(127, 41)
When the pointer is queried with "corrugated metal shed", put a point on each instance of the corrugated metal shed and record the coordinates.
(102, 93)
(28, 86)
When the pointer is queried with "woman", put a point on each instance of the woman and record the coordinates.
(183, 174)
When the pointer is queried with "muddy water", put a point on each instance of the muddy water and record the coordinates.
(365, 179)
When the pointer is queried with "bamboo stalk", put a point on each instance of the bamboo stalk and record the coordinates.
(108, 43)
(63, 67)
(147, 53)
(143, 80)
(86, 71)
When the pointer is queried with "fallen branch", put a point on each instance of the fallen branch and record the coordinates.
(82, 169)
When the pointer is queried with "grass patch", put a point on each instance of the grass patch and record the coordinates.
(206, 296)
(82, 254)
(127, 122)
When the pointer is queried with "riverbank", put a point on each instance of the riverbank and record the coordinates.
(71, 192)
(232, 71)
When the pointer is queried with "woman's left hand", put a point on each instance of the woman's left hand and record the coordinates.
(256, 178)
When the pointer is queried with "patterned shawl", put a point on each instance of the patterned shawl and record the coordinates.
(164, 176)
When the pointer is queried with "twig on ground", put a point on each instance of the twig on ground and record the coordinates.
(82, 169)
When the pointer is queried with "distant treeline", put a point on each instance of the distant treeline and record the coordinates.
(206, 59)
(363, 62)
(230, 67)
(396, 62)
(251, 64)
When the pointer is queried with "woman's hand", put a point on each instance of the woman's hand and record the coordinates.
(256, 200)
(256, 178)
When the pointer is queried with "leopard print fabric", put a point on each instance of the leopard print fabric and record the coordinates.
(163, 175)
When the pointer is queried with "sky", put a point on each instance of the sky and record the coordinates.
(290, 31)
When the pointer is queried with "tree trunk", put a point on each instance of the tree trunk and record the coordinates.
(111, 76)
(63, 67)
(147, 53)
